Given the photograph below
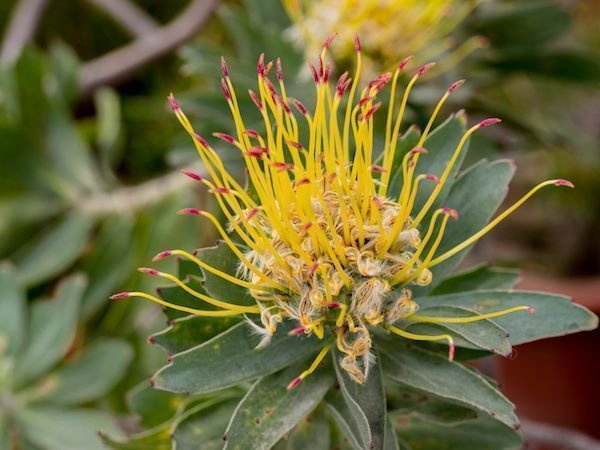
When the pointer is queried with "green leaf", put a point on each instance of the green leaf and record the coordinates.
(449, 380)
(204, 423)
(221, 257)
(52, 328)
(476, 194)
(190, 331)
(109, 262)
(406, 143)
(555, 315)
(366, 403)
(404, 401)
(269, 410)
(65, 429)
(158, 438)
(312, 432)
(343, 418)
(477, 278)
(152, 406)
(12, 312)
(88, 377)
(483, 433)
(50, 253)
(231, 358)
(483, 334)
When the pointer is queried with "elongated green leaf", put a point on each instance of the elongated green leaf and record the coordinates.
(54, 251)
(88, 377)
(152, 406)
(475, 195)
(231, 358)
(366, 403)
(346, 426)
(391, 440)
(204, 423)
(436, 375)
(483, 334)
(483, 433)
(312, 432)
(190, 331)
(476, 278)
(269, 410)
(12, 312)
(52, 327)
(158, 438)
(65, 429)
(404, 401)
(555, 315)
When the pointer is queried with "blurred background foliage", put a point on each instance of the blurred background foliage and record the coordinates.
(89, 178)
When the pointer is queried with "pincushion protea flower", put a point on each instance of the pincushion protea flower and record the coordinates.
(389, 28)
(325, 245)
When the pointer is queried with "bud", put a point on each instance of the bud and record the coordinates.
(148, 271)
(255, 99)
(224, 67)
(119, 295)
(162, 255)
(455, 86)
(225, 90)
(402, 64)
(224, 137)
(425, 68)
(356, 43)
(192, 175)
(563, 183)
(487, 122)
(450, 212)
(192, 211)
(174, 105)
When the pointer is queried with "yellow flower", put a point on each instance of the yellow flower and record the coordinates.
(390, 29)
(326, 246)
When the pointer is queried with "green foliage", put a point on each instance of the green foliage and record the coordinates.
(47, 376)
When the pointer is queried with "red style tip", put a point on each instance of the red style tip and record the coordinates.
(192, 211)
(455, 86)
(402, 64)
(302, 181)
(192, 175)
(531, 310)
(425, 68)
(299, 106)
(252, 134)
(278, 69)
(260, 66)
(255, 99)
(174, 105)
(327, 72)
(221, 190)
(268, 67)
(313, 269)
(254, 153)
(451, 350)
(333, 305)
(306, 227)
(329, 40)
(357, 43)
(162, 255)
(224, 137)
(450, 212)
(416, 150)
(224, 67)
(432, 177)
(297, 331)
(563, 183)
(148, 271)
(281, 166)
(295, 382)
(225, 89)
(371, 111)
(487, 122)
(377, 202)
(314, 73)
(378, 169)
(200, 140)
(252, 213)
(364, 100)
(295, 144)
(119, 295)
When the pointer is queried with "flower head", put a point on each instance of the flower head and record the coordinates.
(327, 246)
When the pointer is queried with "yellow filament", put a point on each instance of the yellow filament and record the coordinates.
(317, 360)
(419, 337)
(196, 312)
(427, 319)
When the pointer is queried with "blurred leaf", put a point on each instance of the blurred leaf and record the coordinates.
(344, 419)
(312, 432)
(152, 406)
(204, 423)
(108, 110)
(191, 331)
(231, 358)
(523, 25)
(65, 429)
(269, 410)
(483, 334)
(158, 438)
(366, 403)
(88, 377)
(476, 278)
(53, 251)
(12, 313)
(65, 73)
(483, 433)
(476, 195)
(109, 261)
(446, 379)
(555, 315)
(52, 328)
